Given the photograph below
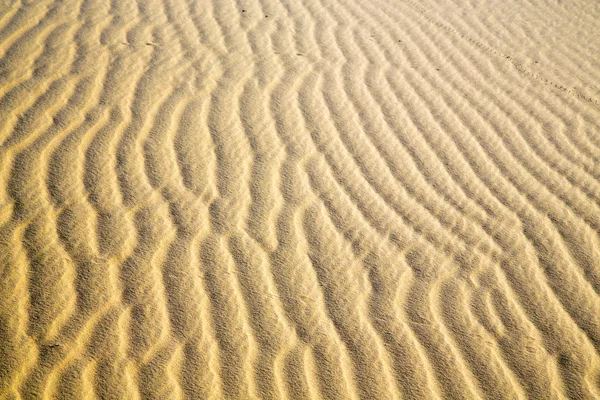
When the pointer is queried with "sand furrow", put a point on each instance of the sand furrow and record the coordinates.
(19, 350)
(387, 279)
(512, 35)
(539, 77)
(295, 278)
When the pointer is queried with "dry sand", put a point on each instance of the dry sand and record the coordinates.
(315, 199)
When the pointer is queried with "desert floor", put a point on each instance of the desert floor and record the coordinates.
(299, 199)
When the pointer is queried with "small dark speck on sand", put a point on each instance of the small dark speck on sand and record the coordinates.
(243, 10)
(266, 16)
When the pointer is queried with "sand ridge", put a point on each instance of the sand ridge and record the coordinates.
(337, 199)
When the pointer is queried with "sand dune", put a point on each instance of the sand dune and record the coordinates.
(315, 199)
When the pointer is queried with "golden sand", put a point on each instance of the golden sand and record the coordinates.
(299, 199)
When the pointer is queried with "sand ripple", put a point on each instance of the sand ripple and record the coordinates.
(335, 199)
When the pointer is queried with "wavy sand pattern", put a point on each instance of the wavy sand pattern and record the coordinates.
(315, 199)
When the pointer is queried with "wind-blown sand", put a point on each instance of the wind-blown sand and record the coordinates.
(315, 199)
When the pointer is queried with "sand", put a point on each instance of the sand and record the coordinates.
(299, 199)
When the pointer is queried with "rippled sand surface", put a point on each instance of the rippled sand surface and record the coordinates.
(299, 199)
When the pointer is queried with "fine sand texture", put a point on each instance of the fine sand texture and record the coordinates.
(299, 199)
